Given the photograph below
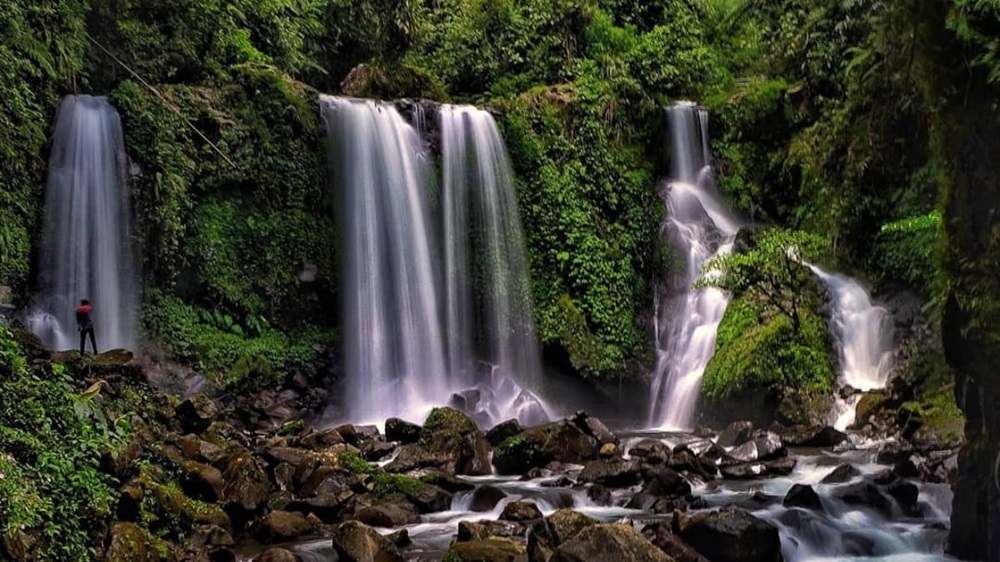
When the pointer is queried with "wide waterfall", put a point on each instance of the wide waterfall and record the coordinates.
(863, 334)
(488, 301)
(700, 226)
(392, 331)
(87, 251)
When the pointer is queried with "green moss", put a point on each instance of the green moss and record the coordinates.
(387, 484)
(354, 463)
(516, 455)
(449, 420)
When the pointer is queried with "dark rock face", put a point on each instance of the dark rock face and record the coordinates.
(866, 494)
(503, 431)
(246, 484)
(661, 535)
(356, 542)
(402, 431)
(478, 530)
(735, 434)
(730, 535)
(196, 413)
(620, 543)
(753, 471)
(280, 526)
(614, 473)
(803, 495)
(547, 535)
(650, 451)
(763, 447)
(485, 498)
(277, 555)
(824, 437)
(486, 550)
(841, 474)
(567, 441)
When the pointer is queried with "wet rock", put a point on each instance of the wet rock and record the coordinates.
(841, 474)
(202, 482)
(683, 460)
(478, 530)
(447, 482)
(129, 542)
(894, 452)
(905, 493)
(356, 542)
(486, 550)
(614, 474)
(199, 450)
(865, 494)
(762, 447)
(714, 456)
(196, 413)
(595, 428)
(825, 437)
(869, 405)
(547, 535)
(758, 470)
(452, 434)
(650, 451)
(389, 513)
(803, 495)
(599, 494)
(246, 484)
(426, 497)
(503, 431)
(281, 526)
(520, 511)
(486, 497)
(357, 434)
(322, 439)
(374, 451)
(730, 535)
(561, 441)
(735, 434)
(665, 482)
(284, 477)
(663, 538)
(277, 555)
(780, 467)
(415, 457)
(210, 535)
(620, 543)
(609, 451)
(400, 538)
(122, 463)
(402, 431)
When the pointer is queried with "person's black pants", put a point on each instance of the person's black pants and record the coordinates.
(83, 340)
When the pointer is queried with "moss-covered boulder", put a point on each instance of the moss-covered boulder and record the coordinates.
(730, 535)
(128, 542)
(486, 550)
(621, 543)
(356, 542)
(281, 526)
(547, 535)
(454, 435)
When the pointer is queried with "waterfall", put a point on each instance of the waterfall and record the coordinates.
(484, 250)
(393, 342)
(87, 251)
(700, 226)
(863, 334)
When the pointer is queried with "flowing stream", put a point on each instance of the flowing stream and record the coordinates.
(700, 226)
(87, 251)
(863, 334)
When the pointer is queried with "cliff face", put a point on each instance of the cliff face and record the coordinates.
(967, 151)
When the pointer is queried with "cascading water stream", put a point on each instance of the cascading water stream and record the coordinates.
(700, 226)
(394, 345)
(863, 334)
(488, 301)
(87, 251)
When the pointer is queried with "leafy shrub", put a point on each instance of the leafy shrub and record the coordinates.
(905, 251)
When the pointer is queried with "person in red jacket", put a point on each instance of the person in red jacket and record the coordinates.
(85, 325)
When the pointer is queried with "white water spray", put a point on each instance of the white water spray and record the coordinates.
(700, 226)
(863, 334)
(87, 250)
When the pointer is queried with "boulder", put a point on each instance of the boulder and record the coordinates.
(520, 511)
(683, 460)
(129, 542)
(823, 437)
(486, 550)
(277, 555)
(730, 535)
(426, 497)
(199, 450)
(447, 482)
(610, 451)
(356, 542)
(453, 435)
(757, 470)
(281, 526)
(208, 536)
(391, 512)
(595, 428)
(402, 431)
(503, 431)
(202, 482)
(246, 484)
(665, 482)
(803, 495)
(414, 457)
(613, 473)
(320, 440)
(478, 530)
(620, 543)
(196, 413)
(518, 455)
(547, 535)
(865, 494)
(486, 497)
(841, 474)
(661, 535)
(650, 451)
(762, 447)
(735, 434)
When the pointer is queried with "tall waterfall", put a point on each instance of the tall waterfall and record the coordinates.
(863, 334)
(488, 301)
(87, 251)
(700, 226)
(392, 331)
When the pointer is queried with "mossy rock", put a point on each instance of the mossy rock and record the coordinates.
(869, 405)
(131, 543)
(486, 550)
(518, 455)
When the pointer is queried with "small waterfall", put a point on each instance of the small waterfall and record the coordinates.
(87, 250)
(393, 340)
(488, 312)
(863, 333)
(700, 226)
